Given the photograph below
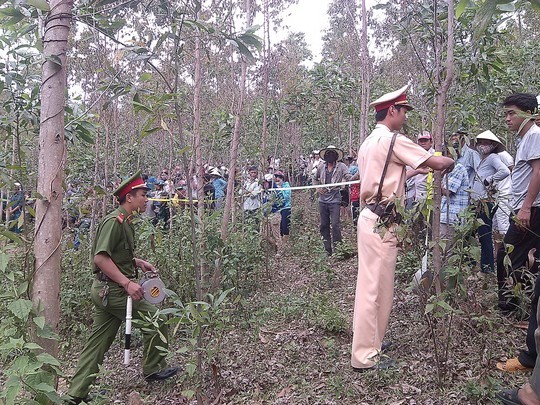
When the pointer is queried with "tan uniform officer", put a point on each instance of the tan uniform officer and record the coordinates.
(115, 268)
(377, 245)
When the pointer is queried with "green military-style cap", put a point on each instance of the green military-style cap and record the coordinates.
(132, 183)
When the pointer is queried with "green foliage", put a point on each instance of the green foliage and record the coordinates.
(77, 277)
(480, 390)
(318, 309)
(325, 314)
(29, 373)
(344, 251)
(196, 322)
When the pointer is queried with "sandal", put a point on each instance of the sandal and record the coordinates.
(512, 365)
(509, 397)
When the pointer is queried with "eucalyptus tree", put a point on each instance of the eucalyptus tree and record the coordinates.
(287, 84)
(342, 47)
(51, 166)
(19, 97)
(238, 113)
(365, 73)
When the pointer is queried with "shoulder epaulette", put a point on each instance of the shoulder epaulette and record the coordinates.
(120, 218)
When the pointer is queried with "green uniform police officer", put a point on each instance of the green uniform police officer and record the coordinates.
(115, 268)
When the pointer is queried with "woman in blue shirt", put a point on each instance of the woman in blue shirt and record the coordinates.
(285, 204)
(220, 187)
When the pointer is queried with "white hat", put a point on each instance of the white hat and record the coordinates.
(323, 152)
(424, 135)
(398, 97)
(490, 136)
(215, 172)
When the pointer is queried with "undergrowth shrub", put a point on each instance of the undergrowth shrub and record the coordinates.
(27, 373)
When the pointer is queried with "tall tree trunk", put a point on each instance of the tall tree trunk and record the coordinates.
(351, 151)
(201, 274)
(216, 280)
(365, 75)
(266, 68)
(439, 133)
(52, 158)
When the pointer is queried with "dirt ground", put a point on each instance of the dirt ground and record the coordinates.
(289, 343)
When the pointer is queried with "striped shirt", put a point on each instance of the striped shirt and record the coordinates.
(458, 183)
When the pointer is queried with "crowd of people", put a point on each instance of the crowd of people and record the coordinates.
(478, 175)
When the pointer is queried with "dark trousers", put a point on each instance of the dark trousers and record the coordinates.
(522, 241)
(355, 208)
(485, 212)
(330, 218)
(252, 217)
(285, 223)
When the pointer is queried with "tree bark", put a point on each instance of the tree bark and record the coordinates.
(201, 272)
(365, 75)
(266, 68)
(439, 134)
(51, 164)
(216, 279)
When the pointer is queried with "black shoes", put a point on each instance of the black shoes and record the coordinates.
(386, 345)
(383, 364)
(162, 375)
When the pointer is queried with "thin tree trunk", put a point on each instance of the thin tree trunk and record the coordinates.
(351, 150)
(216, 280)
(439, 131)
(266, 68)
(365, 75)
(51, 165)
(201, 273)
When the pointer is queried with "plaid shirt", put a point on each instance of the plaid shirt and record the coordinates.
(458, 184)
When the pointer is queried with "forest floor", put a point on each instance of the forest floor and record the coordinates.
(290, 343)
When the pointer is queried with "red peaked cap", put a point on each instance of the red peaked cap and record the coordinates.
(398, 97)
(134, 182)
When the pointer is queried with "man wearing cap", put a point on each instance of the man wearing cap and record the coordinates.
(332, 171)
(115, 268)
(467, 156)
(420, 179)
(523, 232)
(377, 243)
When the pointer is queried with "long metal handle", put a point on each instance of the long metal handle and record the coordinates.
(127, 347)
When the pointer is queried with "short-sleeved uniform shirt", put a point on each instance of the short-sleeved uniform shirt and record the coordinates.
(116, 238)
(371, 160)
(528, 150)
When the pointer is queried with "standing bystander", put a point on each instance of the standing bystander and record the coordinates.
(251, 191)
(331, 172)
(521, 246)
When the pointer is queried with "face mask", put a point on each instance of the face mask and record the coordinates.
(455, 145)
(485, 149)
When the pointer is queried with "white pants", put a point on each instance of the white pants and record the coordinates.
(377, 254)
